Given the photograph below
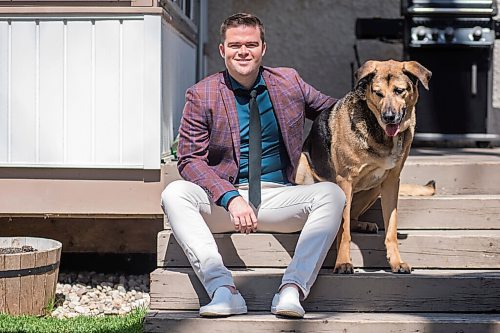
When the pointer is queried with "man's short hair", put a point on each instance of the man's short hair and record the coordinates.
(240, 19)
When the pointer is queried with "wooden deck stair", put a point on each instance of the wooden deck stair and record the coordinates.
(452, 241)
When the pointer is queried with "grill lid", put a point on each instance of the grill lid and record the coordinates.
(484, 8)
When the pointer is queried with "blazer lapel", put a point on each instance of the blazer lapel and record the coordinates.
(231, 112)
(279, 111)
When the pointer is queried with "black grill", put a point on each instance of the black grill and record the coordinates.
(455, 40)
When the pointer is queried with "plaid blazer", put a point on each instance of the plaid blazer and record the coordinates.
(209, 133)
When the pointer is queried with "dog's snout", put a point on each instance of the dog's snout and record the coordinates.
(389, 117)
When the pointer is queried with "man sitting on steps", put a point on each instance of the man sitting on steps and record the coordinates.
(240, 141)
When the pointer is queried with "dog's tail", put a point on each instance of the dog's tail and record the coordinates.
(412, 190)
(304, 170)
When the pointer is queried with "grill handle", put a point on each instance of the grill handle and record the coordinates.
(451, 11)
(473, 87)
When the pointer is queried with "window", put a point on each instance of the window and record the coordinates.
(190, 8)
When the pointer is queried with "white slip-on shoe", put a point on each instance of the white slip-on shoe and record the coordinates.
(224, 303)
(286, 303)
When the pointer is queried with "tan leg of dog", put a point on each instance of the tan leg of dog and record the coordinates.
(389, 195)
(361, 201)
(343, 264)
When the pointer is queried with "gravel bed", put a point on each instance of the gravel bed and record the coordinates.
(99, 294)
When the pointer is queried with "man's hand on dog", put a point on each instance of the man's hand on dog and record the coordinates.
(242, 215)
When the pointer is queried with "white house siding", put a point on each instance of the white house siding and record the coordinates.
(179, 73)
(90, 92)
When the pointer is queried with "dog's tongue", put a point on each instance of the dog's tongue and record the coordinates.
(392, 129)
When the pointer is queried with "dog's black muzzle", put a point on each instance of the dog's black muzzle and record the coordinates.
(391, 117)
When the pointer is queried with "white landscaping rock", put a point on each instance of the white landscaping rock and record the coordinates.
(97, 294)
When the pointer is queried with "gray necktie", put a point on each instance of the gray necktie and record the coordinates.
(255, 152)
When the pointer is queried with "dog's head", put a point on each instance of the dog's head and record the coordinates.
(391, 92)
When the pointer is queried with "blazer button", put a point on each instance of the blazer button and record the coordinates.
(231, 179)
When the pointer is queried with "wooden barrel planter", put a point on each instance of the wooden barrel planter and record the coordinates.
(28, 279)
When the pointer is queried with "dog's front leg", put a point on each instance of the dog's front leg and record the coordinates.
(343, 264)
(389, 200)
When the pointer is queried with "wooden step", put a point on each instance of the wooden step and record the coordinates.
(421, 291)
(316, 322)
(443, 212)
(420, 248)
(456, 171)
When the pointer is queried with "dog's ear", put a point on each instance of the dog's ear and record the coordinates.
(367, 70)
(363, 77)
(415, 72)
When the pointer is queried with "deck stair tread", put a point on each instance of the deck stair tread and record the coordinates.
(344, 316)
(159, 321)
(332, 322)
(454, 155)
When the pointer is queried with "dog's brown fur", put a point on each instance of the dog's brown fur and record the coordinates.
(353, 146)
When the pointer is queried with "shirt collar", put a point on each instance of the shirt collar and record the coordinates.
(259, 82)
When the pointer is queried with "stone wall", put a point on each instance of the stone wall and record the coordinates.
(316, 37)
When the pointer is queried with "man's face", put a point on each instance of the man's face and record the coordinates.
(242, 52)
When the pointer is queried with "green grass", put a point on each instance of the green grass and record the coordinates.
(130, 323)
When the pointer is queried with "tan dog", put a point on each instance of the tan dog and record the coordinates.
(361, 144)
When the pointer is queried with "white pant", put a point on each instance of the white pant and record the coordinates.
(315, 209)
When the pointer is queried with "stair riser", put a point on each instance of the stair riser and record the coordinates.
(421, 249)
(460, 212)
(181, 290)
(456, 212)
(455, 178)
(453, 175)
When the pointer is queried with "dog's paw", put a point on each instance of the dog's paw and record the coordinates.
(346, 268)
(364, 227)
(402, 268)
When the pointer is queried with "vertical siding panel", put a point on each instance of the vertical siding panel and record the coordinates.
(78, 93)
(120, 88)
(132, 136)
(4, 88)
(51, 92)
(92, 117)
(107, 92)
(23, 93)
(37, 92)
(152, 91)
(167, 107)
